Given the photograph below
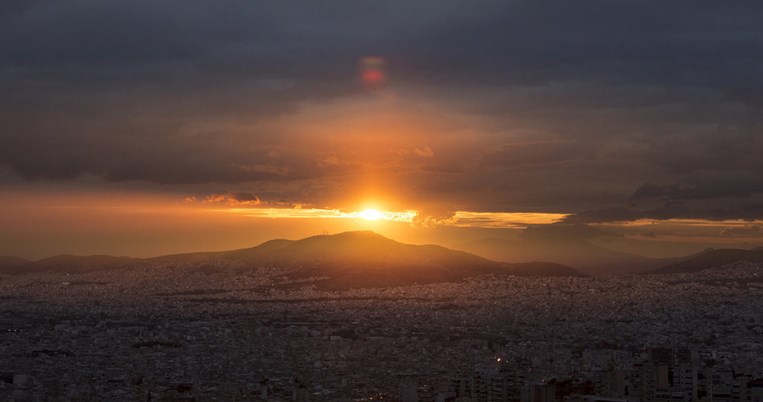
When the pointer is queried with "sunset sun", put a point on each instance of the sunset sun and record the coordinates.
(371, 214)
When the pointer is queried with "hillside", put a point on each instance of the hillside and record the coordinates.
(350, 259)
(364, 258)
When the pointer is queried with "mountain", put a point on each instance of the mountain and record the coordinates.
(364, 258)
(70, 264)
(712, 258)
(350, 259)
(79, 264)
(579, 253)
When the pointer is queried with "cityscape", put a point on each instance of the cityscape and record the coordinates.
(190, 331)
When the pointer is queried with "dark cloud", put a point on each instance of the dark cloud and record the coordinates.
(703, 195)
(542, 153)
(237, 199)
(707, 185)
(718, 209)
(558, 106)
(612, 214)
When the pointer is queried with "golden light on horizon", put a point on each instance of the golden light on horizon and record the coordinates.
(516, 220)
(682, 222)
(369, 214)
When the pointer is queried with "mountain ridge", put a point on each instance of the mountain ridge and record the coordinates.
(360, 258)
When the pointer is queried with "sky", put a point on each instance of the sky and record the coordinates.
(148, 127)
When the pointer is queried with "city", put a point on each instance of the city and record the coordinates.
(175, 332)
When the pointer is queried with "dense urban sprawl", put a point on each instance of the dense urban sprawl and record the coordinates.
(185, 332)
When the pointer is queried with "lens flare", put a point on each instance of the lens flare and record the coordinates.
(372, 71)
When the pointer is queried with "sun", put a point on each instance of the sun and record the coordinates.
(371, 214)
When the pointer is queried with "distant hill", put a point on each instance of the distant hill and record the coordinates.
(350, 259)
(12, 265)
(70, 264)
(579, 253)
(78, 264)
(712, 258)
(364, 258)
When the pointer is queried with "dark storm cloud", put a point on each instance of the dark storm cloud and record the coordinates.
(677, 44)
(622, 93)
(748, 208)
(706, 186)
(703, 195)
(537, 153)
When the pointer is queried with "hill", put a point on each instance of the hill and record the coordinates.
(350, 259)
(712, 258)
(364, 258)
(70, 264)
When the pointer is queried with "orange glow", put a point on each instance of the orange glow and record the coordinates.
(683, 222)
(515, 220)
(42, 224)
(318, 213)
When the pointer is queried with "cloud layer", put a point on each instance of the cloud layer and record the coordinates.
(605, 110)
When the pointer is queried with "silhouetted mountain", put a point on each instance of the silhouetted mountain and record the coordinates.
(350, 259)
(579, 253)
(70, 264)
(364, 258)
(77, 264)
(712, 258)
